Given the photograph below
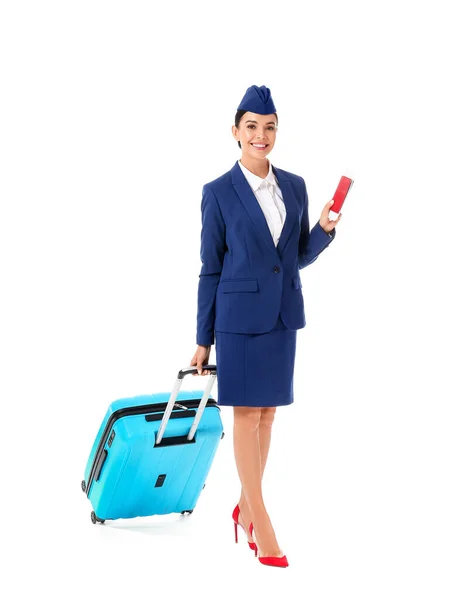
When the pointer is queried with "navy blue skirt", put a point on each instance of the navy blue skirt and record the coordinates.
(256, 369)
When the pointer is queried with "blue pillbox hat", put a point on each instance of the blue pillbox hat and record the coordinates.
(258, 100)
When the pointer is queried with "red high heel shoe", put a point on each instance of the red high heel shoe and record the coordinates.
(271, 561)
(235, 515)
(274, 561)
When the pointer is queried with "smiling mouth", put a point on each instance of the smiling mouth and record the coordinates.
(260, 147)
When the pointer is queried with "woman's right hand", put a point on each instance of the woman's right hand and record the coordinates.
(200, 358)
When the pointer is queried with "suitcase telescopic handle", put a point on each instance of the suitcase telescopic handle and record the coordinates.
(192, 370)
(174, 395)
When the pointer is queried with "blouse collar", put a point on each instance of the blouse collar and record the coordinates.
(254, 180)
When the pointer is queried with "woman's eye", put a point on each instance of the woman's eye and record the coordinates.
(272, 128)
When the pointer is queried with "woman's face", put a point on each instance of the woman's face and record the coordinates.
(254, 132)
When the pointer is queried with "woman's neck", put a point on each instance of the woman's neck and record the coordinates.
(259, 167)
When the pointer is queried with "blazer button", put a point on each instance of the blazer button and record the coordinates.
(276, 269)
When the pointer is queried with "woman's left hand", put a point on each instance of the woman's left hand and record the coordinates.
(326, 224)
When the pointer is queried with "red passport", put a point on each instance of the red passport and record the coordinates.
(340, 193)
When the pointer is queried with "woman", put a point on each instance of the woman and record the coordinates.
(255, 237)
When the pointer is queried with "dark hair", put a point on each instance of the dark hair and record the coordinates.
(239, 115)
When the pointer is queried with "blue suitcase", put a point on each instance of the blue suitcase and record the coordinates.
(152, 453)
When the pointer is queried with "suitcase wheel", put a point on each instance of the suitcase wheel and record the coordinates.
(187, 512)
(83, 485)
(95, 519)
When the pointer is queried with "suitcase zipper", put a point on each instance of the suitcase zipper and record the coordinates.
(132, 411)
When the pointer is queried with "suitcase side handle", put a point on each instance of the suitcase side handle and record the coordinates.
(174, 396)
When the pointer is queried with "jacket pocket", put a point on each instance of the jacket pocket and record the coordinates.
(227, 286)
(296, 282)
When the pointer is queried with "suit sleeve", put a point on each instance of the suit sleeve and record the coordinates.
(313, 242)
(212, 252)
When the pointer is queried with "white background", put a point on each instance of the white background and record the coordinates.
(113, 116)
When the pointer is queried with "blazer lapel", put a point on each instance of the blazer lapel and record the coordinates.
(291, 206)
(254, 210)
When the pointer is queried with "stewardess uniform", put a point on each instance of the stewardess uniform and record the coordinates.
(255, 238)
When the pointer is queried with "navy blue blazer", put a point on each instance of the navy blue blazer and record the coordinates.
(245, 280)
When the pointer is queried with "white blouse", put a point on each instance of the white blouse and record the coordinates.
(270, 199)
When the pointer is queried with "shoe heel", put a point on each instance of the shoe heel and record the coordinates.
(270, 561)
(235, 516)
(252, 545)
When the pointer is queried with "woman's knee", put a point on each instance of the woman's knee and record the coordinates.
(267, 416)
(247, 416)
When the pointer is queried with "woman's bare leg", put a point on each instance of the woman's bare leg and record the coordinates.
(249, 464)
(265, 435)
